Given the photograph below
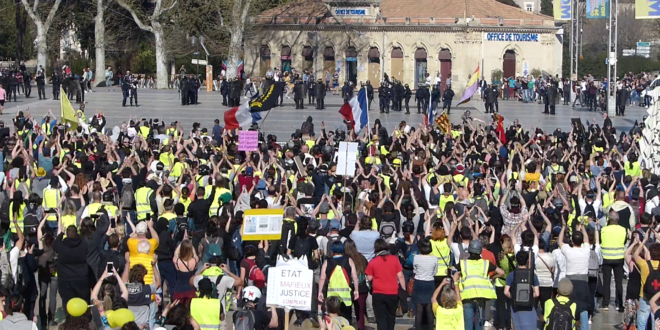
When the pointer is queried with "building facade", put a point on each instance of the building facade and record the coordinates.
(403, 39)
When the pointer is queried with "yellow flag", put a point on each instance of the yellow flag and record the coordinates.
(67, 114)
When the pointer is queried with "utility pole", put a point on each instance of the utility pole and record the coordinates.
(572, 42)
(612, 58)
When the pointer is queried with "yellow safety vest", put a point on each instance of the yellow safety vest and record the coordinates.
(52, 197)
(213, 271)
(172, 132)
(69, 220)
(215, 203)
(142, 202)
(177, 169)
(46, 128)
(613, 238)
(168, 215)
(441, 250)
(144, 131)
(112, 210)
(81, 115)
(474, 282)
(339, 287)
(93, 208)
(636, 170)
(166, 158)
(19, 221)
(444, 200)
(206, 312)
(185, 203)
(460, 180)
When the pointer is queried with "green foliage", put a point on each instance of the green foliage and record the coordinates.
(546, 7)
(144, 60)
(496, 75)
(8, 33)
(76, 62)
(536, 72)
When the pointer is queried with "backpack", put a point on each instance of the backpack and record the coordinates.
(561, 317)
(463, 254)
(288, 232)
(654, 277)
(244, 320)
(302, 247)
(213, 249)
(388, 231)
(594, 262)
(127, 196)
(341, 324)
(331, 239)
(414, 250)
(236, 246)
(523, 294)
(255, 275)
(30, 222)
(306, 128)
(181, 225)
(590, 208)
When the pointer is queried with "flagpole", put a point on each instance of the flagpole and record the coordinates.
(264, 120)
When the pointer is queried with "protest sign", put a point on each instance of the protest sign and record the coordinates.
(262, 224)
(290, 286)
(248, 140)
(347, 156)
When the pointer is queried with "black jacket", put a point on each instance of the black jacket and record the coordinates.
(71, 258)
(448, 95)
(407, 93)
(320, 90)
(198, 210)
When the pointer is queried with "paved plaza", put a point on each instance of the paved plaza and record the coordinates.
(284, 120)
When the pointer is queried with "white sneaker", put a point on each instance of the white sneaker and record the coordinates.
(487, 324)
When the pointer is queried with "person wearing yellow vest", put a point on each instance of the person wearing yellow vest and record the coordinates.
(69, 215)
(339, 271)
(109, 204)
(145, 202)
(449, 312)
(16, 209)
(207, 309)
(475, 285)
(145, 130)
(613, 246)
(52, 197)
(440, 248)
(94, 206)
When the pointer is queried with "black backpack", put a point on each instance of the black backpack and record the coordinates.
(4, 208)
(302, 246)
(523, 288)
(561, 317)
(30, 222)
(652, 281)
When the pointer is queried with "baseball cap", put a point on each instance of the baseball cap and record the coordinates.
(249, 171)
(325, 208)
(565, 287)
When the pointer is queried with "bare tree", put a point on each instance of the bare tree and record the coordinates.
(99, 40)
(236, 28)
(154, 26)
(42, 27)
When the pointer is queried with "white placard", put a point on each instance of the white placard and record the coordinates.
(346, 158)
(290, 287)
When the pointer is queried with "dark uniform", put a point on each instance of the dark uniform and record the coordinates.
(419, 97)
(27, 78)
(184, 84)
(621, 100)
(236, 92)
(447, 97)
(407, 93)
(41, 83)
(125, 90)
(387, 96)
(394, 92)
(194, 90)
(401, 92)
(370, 93)
(56, 85)
(224, 90)
(311, 92)
(552, 96)
(347, 92)
(134, 95)
(320, 95)
(435, 96)
(13, 85)
(491, 99)
(299, 94)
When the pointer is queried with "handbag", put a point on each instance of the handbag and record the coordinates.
(411, 284)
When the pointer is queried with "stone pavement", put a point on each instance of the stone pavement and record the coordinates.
(284, 120)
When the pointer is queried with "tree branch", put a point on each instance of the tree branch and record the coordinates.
(134, 15)
(30, 12)
(51, 15)
(246, 9)
(36, 5)
(169, 8)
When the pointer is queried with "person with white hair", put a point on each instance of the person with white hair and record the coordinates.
(141, 249)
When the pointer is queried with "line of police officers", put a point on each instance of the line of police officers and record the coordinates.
(231, 92)
(9, 79)
(189, 88)
(397, 93)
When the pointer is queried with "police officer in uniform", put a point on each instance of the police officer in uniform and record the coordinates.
(381, 95)
(133, 84)
(407, 93)
(13, 85)
(387, 97)
(311, 92)
(41, 82)
(184, 84)
(347, 92)
(394, 91)
(55, 79)
(419, 97)
(320, 95)
(194, 90)
(236, 92)
(224, 90)
(447, 97)
(370, 93)
(125, 90)
(298, 94)
(401, 93)
(435, 96)
(27, 79)
(552, 96)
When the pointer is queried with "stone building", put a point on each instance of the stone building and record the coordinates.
(405, 39)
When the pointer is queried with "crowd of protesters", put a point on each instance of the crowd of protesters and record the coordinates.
(464, 227)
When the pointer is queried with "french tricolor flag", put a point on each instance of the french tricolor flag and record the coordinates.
(356, 110)
(241, 116)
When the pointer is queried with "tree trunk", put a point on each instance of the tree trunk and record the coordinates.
(42, 46)
(21, 28)
(99, 43)
(161, 57)
(234, 53)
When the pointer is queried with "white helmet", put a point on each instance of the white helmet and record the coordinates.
(251, 294)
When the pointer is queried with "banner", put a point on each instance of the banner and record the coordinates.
(248, 140)
(267, 100)
(262, 224)
(291, 283)
(67, 114)
(563, 10)
(598, 8)
(647, 9)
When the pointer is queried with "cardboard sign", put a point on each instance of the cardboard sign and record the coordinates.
(290, 286)
(248, 140)
(262, 224)
(347, 157)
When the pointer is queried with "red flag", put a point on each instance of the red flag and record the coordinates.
(346, 111)
(443, 123)
(500, 128)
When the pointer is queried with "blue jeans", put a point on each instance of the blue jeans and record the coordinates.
(643, 314)
(108, 82)
(124, 215)
(584, 320)
(472, 314)
(167, 274)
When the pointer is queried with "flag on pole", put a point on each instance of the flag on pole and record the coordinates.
(239, 116)
(430, 120)
(472, 86)
(67, 114)
(356, 110)
(267, 101)
(443, 123)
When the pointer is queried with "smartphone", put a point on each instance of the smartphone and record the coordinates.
(108, 268)
(113, 223)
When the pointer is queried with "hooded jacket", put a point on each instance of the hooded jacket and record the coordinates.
(17, 321)
(626, 214)
(72, 258)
